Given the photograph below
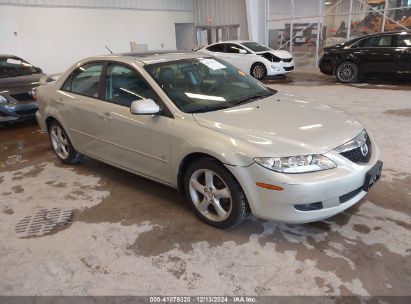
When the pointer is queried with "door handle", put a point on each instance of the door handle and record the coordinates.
(105, 116)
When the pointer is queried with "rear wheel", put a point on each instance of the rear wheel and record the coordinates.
(347, 72)
(62, 146)
(215, 195)
(258, 70)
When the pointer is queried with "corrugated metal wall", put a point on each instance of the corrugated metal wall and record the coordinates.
(222, 12)
(164, 5)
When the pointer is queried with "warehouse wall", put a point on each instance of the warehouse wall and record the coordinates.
(55, 37)
(222, 12)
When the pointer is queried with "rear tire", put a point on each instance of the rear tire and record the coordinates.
(215, 195)
(347, 72)
(258, 71)
(62, 146)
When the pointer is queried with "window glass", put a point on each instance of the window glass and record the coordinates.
(14, 66)
(256, 47)
(404, 40)
(205, 84)
(216, 48)
(124, 85)
(377, 41)
(85, 80)
(234, 49)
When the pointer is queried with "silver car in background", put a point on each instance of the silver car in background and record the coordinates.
(222, 138)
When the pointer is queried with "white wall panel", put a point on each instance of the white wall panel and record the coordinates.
(168, 5)
(54, 38)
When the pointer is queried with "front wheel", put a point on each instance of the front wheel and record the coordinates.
(215, 194)
(62, 146)
(347, 72)
(258, 71)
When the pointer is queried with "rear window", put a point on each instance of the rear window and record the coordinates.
(14, 66)
(216, 48)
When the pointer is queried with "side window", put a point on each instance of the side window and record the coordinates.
(124, 85)
(234, 49)
(404, 41)
(219, 47)
(85, 80)
(377, 41)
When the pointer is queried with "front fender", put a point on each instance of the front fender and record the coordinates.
(188, 138)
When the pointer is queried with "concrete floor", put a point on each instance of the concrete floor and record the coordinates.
(130, 236)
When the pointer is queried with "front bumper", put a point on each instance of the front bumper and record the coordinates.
(337, 189)
(18, 111)
(280, 68)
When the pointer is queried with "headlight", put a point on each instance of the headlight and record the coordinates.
(3, 99)
(359, 141)
(296, 164)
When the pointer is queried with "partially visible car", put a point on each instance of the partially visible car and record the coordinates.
(18, 80)
(374, 56)
(253, 58)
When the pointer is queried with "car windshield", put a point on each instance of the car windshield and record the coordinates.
(14, 66)
(205, 84)
(256, 47)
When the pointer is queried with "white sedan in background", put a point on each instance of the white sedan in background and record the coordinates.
(251, 57)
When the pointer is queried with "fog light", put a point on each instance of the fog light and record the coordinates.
(309, 207)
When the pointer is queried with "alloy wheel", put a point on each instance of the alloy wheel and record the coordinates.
(347, 72)
(59, 141)
(210, 195)
(258, 71)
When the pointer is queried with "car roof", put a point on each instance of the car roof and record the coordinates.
(9, 56)
(232, 41)
(161, 56)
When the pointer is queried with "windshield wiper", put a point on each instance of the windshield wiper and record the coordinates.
(210, 108)
(253, 98)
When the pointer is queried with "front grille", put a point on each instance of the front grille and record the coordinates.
(289, 68)
(287, 60)
(22, 96)
(349, 195)
(356, 155)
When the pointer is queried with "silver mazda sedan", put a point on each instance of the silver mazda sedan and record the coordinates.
(228, 143)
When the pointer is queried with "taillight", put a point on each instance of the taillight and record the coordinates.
(33, 93)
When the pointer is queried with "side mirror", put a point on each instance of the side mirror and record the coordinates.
(144, 107)
(242, 51)
(40, 70)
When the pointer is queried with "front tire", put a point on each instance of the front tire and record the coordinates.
(215, 195)
(347, 72)
(62, 146)
(258, 71)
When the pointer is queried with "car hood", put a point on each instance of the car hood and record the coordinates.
(283, 126)
(278, 53)
(15, 83)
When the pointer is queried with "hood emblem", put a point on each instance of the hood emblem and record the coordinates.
(364, 149)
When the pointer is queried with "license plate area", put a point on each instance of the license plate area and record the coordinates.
(372, 176)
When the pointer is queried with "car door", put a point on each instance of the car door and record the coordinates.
(376, 55)
(237, 56)
(77, 103)
(404, 46)
(140, 143)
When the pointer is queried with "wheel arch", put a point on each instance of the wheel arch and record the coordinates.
(185, 163)
(259, 62)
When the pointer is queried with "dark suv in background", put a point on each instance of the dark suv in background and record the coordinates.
(380, 55)
(18, 78)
